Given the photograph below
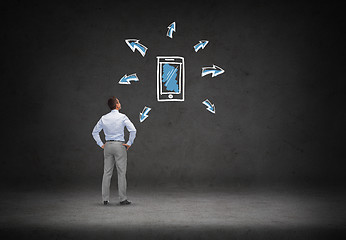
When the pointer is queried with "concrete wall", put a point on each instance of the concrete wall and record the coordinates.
(278, 104)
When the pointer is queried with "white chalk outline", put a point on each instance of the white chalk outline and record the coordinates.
(209, 104)
(202, 45)
(213, 74)
(145, 112)
(169, 29)
(170, 60)
(133, 48)
(136, 79)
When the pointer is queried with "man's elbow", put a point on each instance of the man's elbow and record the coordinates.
(94, 134)
(133, 131)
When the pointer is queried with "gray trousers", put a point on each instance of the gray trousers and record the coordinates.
(114, 153)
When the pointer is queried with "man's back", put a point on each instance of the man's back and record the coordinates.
(113, 124)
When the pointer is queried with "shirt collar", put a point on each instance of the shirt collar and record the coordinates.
(115, 110)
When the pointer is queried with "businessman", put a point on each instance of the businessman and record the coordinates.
(115, 148)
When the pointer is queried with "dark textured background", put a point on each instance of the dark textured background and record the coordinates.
(279, 115)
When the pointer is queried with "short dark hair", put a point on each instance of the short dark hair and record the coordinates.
(112, 102)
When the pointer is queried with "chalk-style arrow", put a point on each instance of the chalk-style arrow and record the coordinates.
(126, 79)
(200, 45)
(210, 107)
(144, 114)
(171, 29)
(134, 44)
(214, 71)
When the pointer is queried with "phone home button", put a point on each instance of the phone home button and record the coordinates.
(170, 96)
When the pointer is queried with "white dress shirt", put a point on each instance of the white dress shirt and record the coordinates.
(113, 124)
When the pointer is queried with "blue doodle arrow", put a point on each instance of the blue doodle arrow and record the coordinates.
(134, 44)
(200, 45)
(126, 79)
(210, 107)
(144, 114)
(171, 29)
(214, 71)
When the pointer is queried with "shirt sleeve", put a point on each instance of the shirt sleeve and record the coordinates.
(96, 133)
(132, 130)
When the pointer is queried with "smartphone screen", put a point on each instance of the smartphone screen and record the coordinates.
(170, 78)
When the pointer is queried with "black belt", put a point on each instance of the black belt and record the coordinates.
(114, 141)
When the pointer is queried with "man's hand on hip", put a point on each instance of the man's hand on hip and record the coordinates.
(127, 146)
(103, 146)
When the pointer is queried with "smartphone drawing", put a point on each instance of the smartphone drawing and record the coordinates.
(170, 78)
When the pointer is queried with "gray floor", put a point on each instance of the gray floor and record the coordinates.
(173, 213)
